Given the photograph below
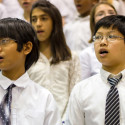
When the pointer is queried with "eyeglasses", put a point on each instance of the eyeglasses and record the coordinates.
(98, 38)
(5, 41)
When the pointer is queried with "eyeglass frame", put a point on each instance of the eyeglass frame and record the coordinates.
(7, 41)
(106, 37)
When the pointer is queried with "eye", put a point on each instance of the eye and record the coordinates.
(98, 37)
(44, 18)
(34, 20)
(112, 37)
(100, 14)
(4, 41)
(111, 12)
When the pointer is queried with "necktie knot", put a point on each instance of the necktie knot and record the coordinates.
(114, 81)
(10, 87)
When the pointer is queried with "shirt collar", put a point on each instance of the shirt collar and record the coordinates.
(105, 75)
(20, 82)
(82, 18)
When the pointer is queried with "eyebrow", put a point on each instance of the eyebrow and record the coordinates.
(43, 15)
(106, 32)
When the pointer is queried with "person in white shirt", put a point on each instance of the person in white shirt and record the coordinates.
(12, 7)
(120, 6)
(87, 102)
(31, 104)
(26, 6)
(89, 63)
(3, 11)
(77, 32)
(58, 69)
(67, 9)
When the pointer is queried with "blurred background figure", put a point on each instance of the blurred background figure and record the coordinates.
(58, 69)
(26, 6)
(121, 7)
(77, 32)
(89, 63)
(12, 8)
(118, 4)
(66, 8)
(3, 11)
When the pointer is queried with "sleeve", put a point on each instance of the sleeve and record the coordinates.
(74, 113)
(85, 64)
(52, 116)
(74, 71)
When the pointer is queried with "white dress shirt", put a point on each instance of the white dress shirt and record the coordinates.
(59, 79)
(67, 9)
(88, 99)
(78, 33)
(13, 8)
(89, 63)
(31, 103)
(3, 12)
(120, 7)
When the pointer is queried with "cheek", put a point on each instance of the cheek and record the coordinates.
(34, 26)
(49, 29)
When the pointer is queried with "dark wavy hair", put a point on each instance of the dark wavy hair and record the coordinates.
(60, 50)
(21, 32)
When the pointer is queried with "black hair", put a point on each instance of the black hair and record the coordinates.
(114, 21)
(22, 32)
(59, 49)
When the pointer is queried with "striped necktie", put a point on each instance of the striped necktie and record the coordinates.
(112, 112)
(5, 107)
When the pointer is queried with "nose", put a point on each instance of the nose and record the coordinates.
(38, 23)
(104, 42)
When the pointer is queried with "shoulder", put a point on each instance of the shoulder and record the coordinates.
(87, 52)
(38, 90)
(75, 58)
(86, 86)
(74, 55)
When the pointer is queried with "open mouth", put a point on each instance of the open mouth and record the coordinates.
(103, 52)
(40, 31)
(1, 58)
(25, 3)
(78, 6)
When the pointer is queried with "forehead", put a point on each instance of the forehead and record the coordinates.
(104, 30)
(39, 12)
(27, 0)
(83, 0)
(103, 7)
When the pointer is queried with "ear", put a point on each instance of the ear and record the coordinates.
(27, 47)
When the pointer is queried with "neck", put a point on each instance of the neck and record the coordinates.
(114, 69)
(45, 48)
(13, 74)
(27, 15)
(85, 14)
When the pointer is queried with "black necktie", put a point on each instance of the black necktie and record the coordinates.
(5, 106)
(112, 112)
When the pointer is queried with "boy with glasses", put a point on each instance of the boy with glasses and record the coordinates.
(22, 101)
(99, 100)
